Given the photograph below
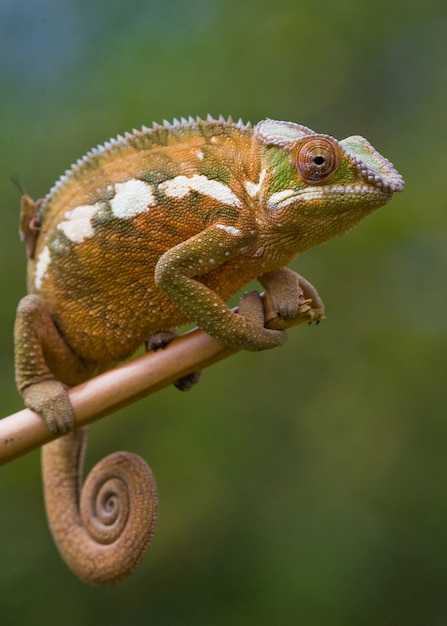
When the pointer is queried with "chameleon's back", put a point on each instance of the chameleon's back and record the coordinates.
(107, 221)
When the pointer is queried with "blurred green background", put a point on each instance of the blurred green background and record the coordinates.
(305, 485)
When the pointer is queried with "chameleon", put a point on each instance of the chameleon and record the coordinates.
(148, 231)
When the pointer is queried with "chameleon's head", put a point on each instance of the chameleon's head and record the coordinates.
(319, 187)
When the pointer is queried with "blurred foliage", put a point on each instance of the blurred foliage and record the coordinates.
(299, 486)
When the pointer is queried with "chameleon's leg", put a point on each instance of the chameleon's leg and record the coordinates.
(40, 351)
(175, 272)
(285, 288)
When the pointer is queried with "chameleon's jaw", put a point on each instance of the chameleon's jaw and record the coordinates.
(316, 214)
(345, 194)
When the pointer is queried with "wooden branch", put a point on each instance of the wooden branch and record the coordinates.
(25, 431)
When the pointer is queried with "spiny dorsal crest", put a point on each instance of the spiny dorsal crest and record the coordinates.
(144, 138)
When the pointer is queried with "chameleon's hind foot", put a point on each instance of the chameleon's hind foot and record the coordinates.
(50, 400)
(160, 340)
(186, 382)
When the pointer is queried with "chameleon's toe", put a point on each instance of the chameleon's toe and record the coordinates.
(251, 309)
(186, 382)
(50, 400)
(283, 292)
(311, 294)
(160, 340)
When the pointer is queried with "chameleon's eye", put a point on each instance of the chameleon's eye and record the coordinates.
(317, 158)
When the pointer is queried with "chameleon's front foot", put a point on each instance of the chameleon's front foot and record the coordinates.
(288, 295)
(50, 400)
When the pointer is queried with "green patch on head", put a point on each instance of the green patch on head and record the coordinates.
(280, 165)
(371, 164)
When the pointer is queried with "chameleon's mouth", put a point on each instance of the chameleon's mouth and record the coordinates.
(342, 192)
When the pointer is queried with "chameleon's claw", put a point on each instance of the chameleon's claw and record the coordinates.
(50, 400)
(160, 340)
(310, 293)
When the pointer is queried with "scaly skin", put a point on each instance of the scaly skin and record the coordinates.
(160, 227)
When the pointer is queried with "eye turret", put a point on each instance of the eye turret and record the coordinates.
(317, 159)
